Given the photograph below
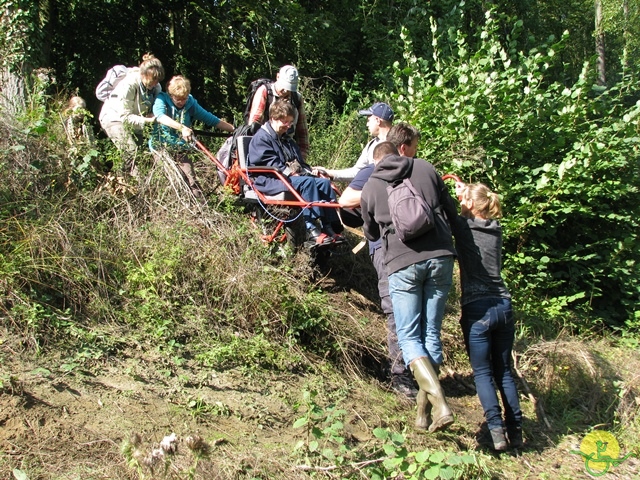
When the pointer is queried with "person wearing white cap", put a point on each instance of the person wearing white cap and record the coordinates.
(284, 88)
(379, 122)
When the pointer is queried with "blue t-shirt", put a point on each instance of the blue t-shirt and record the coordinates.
(358, 184)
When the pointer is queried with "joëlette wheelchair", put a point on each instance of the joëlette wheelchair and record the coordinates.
(279, 216)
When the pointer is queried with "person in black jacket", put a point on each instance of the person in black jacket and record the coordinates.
(420, 273)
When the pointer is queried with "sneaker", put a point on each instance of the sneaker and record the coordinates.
(316, 236)
(498, 439)
(514, 436)
(403, 385)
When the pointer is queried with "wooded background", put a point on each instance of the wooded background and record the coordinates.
(222, 45)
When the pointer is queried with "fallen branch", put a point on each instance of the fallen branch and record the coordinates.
(536, 405)
(459, 379)
(356, 465)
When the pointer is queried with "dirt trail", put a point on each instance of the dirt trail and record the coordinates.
(57, 424)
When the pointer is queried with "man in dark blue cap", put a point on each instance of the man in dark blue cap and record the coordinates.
(379, 121)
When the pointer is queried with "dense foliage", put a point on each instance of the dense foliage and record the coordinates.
(565, 159)
(222, 45)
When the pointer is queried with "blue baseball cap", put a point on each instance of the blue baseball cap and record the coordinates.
(380, 110)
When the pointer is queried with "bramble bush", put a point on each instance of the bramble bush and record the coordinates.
(564, 158)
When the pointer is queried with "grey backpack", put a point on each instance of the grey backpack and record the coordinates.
(114, 75)
(411, 215)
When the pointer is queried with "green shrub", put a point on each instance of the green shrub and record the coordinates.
(563, 158)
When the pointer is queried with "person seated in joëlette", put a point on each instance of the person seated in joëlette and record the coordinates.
(271, 147)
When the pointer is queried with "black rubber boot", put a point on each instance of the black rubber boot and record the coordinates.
(514, 435)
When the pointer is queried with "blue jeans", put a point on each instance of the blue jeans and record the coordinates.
(419, 295)
(315, 189)
(488, 329)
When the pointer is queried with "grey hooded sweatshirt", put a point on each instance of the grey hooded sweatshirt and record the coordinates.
(375, 212)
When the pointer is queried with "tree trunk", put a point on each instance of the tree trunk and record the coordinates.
(600, 53)
(625, 36)
(12, 94)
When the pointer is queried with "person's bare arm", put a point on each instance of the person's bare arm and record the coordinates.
(350, 198)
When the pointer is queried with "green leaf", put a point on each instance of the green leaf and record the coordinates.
(300, 422)
(19, 474)
(389, 449)
(393, 462)
(41, 371)
(469, 459)
(432, 473)
(447, 473)
(423, 456)
(437, 457)
(328, 454)
(382, 433)
(454, 460)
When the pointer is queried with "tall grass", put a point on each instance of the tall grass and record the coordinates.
(94, 268)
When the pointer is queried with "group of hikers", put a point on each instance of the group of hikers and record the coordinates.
(414, 275)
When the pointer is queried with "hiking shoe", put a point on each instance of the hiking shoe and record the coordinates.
(514, 436)
(498, 439)
(316, 236)
(403, 385)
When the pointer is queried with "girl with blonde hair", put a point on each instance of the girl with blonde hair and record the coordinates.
(487, 316)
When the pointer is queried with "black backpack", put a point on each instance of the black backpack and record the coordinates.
(253, 87)
(228, 153)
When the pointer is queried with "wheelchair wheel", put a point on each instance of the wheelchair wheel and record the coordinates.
(292, 228)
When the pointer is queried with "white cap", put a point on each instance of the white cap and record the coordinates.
(287, 78)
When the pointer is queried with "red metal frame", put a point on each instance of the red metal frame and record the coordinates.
(298, 202)
(264, 200)
(452, 176)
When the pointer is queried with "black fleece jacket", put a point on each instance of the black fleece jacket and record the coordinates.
(375, 211)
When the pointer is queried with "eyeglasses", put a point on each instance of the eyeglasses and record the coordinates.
(178, 99)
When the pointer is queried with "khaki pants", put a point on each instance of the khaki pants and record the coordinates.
(188, 173)
(127, 141)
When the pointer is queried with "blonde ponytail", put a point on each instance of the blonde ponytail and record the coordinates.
(486, 204)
